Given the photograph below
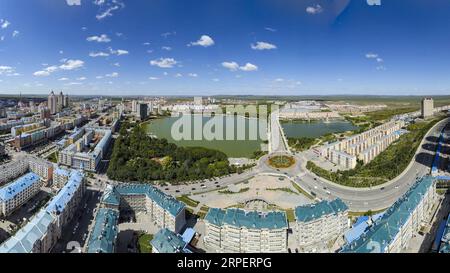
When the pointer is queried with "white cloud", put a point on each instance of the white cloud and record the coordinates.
(270, 29)
(178, 75)
(99, 39)
(314, 10)
(81, 79)
(4, 23)
(107, 7)
(84, 28)
(67, 65)
(164, 62)
(215, 80)
(6, 70)
(167, 48)
(73, 83)
(380, 60)
(72, 65)
(41, 73)
(15, 33)
(118, 52)
(73, 2)
(279, 80)
(153, 78)
(167, 34)
(63, 79)
(194, 75)
(98, 54)
(204, 41)
(116, 64)
(112, 75)
(371, 55)
(263, 46)
(99, 77)
(232, 66)
(146, 44)
(249, 67)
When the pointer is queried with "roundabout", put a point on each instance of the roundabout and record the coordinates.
(281, 161)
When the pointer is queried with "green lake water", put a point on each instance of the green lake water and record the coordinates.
(231, 146)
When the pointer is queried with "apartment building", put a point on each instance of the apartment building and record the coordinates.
(392, 232)
(445, 240)
(320, 222)
(166, 241)
(41, 167)
(13, 169)
(164, 210)
(60, 177)
(427, 108)
(45, 228)
(240, 231)
(18, 192)
(365, 146)
(79, 155)
(103, 236)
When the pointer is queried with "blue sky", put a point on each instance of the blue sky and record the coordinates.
(207, 47)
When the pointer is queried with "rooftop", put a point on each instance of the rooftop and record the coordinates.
(167, 202)
(248, 219)
(59, 202)
(387, 227)
(445, 241)
(315, 211)
(165, 241)
(104, 233)
(9, 191)
(24, 240)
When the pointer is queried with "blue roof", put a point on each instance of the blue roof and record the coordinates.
(104, 234)
(167, 202)
(386, 229)
(356, 231)
(445, 241)
(9, 191)
(60, 171)
(249, 219)
(59, 202)
(166, 241)
(315, 211)
(24, 240)
(188, 234)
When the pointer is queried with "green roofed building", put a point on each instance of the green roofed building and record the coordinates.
(166, 241)
(103, 236)
(320, 223)
(237, 230)
(164, 210)
(393, 231)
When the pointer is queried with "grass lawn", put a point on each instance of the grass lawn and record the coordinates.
(144, 243)
(188, 201)
(232, 192)
(290, 215)
(300, 190)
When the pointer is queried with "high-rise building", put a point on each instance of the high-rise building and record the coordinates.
(60, 101)
(142, 111)
(66, 101)
(52, 103)
(427, 107)
(134, 104)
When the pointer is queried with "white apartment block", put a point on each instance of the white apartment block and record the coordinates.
(427, 107)
(42, 168)
(12, 170)
(15, 194)
(393, 232)
(164, 210)
(365, 146)
(239, 231)
(320, 222)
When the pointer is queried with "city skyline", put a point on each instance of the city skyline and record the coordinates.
(85, 47)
